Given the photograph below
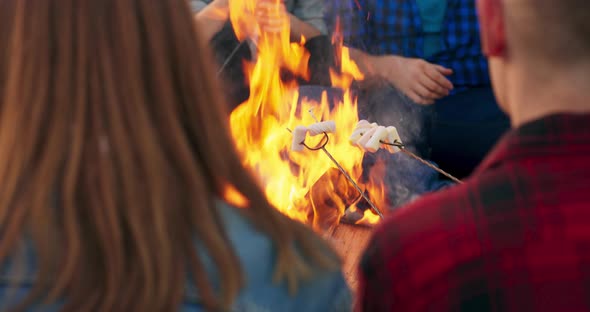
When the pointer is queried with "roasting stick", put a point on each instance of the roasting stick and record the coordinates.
(343, 171)
(351, 180)
(348, 177)
(230, 57)
(422, 160)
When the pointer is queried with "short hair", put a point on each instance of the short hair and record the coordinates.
(555, 30)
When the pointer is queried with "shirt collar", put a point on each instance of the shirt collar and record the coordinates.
(559, 134)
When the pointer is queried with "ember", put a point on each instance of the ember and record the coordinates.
(303, 185)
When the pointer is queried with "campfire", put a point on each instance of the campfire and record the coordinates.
(305, 185)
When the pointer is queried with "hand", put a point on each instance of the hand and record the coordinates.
(422, 82)
(271, 15)
(249, 22)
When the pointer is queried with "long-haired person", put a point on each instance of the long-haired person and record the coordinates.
(114, 158)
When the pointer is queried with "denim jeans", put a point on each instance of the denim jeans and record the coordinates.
(464, 129)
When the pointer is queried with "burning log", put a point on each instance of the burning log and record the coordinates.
(329, 197)
(334, 201)
(325, 128)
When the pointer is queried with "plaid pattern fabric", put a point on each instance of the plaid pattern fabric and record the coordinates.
(395, 27)
(514, 237)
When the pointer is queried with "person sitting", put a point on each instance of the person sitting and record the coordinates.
(305, 19)
(433, 78)
(121, 187)
(514, 236)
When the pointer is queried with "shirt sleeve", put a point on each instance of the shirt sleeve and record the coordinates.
(349, 17)
(312, 12)
(376, 288)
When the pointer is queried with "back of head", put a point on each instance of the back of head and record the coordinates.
(114, 150)
(550, 31)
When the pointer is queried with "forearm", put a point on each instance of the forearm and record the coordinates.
(300, 28)
(376, 66)
(212, 18)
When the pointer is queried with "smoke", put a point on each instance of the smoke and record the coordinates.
(405, 178)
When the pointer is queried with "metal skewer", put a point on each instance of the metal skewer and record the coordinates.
(342, 170)
(402, 147)
(230, 57)
(322, 147)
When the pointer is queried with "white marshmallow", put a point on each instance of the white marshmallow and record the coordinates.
(393, 137)
(361, 128)
(363, 123)
(322, 127)
(366, 137)
(374, 142)
(299, 135)
(393, 131)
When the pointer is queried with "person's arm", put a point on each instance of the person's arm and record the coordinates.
(300, 28)
(421, 81)
(307, 19)
(212, 18)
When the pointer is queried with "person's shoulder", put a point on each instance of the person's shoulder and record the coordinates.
(325, 291)
(450, 208)
(455, 217)
(426, 227)
(429, 211)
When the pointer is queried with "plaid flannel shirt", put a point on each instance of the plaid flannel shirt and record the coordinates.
(395, 27)
(514, 237)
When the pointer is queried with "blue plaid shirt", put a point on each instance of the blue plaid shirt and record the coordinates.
(395, 27)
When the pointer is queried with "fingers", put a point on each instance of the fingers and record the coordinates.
(434, 89)
(437, 74)
(271, 16)
(270, 9)
(416, 97)
(272, 24)
(443, 70)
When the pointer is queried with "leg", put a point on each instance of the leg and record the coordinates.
(466, 126)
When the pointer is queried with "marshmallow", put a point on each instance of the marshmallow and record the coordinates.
(322, 127)
(366, 137)
(393, 137)
(361, 128)
(374, 142)
(393, 132)
(299, 135)
(363, 123)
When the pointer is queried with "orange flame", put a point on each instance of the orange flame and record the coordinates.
(301, 185)
(234, 197)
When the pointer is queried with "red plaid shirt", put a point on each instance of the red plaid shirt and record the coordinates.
(514, 237)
